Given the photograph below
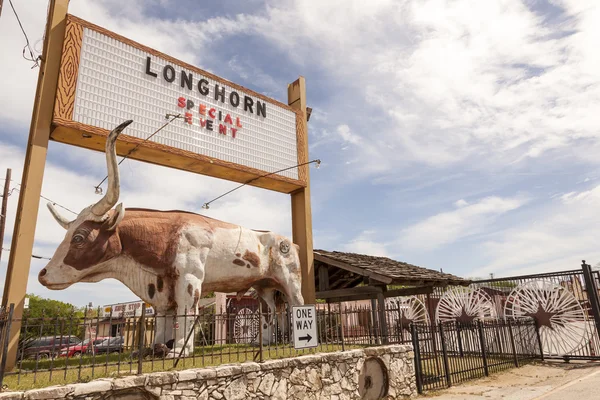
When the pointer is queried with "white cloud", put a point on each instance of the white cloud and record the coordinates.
(366, 243)
(451, 226)
(556, 239)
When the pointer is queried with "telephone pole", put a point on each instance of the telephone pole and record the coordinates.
(4, 203)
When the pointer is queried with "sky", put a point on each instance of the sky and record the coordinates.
(459, 135)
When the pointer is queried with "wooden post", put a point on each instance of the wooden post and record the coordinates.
(33, 169)
(3, 213)
(382, 318)
(301, 209)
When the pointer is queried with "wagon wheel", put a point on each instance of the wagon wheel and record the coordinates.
(561, 319)
(403, 311)
(246, 325)
(463, 306)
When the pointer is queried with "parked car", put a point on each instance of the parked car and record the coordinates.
(81, 348)
(45, 347)
(110, 345)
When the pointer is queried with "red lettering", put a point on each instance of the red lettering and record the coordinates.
(203, 109)
(233, 131)
(202, 122)
(228, 119)
(237, 122)
(188, 118)
(223, 129)
(211, 113)
(181, 102)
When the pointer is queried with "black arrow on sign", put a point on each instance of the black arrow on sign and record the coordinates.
(307, 338)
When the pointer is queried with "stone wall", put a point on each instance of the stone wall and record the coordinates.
(377, 372)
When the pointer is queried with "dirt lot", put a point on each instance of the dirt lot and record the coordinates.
(547, 381)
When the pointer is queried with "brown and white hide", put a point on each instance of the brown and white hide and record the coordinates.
(169, 258)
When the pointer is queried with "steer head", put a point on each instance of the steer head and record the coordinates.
(284, 264)
(91, 239)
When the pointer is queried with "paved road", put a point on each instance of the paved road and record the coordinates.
(584, 388)
(543, 381)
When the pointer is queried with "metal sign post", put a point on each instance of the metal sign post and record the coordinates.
(304, 320)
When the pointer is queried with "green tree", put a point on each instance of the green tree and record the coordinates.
(47, 317)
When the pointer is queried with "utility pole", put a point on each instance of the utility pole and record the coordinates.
(4, 203)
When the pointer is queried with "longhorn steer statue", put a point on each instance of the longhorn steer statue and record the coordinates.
(169, 258)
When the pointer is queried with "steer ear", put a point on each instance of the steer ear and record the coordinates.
(297, 247)
(115, 218)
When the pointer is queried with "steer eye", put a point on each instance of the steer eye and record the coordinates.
(284, 247)
(78, 238)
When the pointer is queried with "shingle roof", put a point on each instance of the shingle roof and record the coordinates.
(399, 272)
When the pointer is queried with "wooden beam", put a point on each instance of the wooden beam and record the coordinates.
(323, 277)
(351, 268)
(409, 291)
(358, 297)
(301, 207)
(33, 171)
(348, 292)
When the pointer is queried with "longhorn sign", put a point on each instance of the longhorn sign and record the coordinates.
(169, 258)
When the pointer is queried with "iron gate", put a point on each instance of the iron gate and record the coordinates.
(565, 306)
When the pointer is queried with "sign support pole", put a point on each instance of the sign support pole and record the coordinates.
(33, 170)
(301, 209)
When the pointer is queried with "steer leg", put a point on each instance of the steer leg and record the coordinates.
(267, 318)
(187, 297)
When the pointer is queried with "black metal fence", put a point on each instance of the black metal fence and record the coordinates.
(66, 349)
(546, 315)
(450, 353)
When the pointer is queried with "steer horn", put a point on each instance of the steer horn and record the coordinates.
(65, 223)
(112, 192)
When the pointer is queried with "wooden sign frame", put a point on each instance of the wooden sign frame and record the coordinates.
(65, 130)
(52, 109)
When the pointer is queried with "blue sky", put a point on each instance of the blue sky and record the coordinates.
(460, 135)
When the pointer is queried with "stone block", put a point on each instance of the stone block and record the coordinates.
(206, 374)
(129, 382)
(162, 378)
(54, 392)
(81, 389)
(250, 367)
(187, 375)
(266, 384)
(236, 390)
(11, 395)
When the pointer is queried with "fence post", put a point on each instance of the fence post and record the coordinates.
(459, 339)
(539, 339)
(445, 354)
(141, 338)
(260, 332)
(483, 348)
(6, 337)
(512, 344)
(418, 371)
(592, 293)
(342, 321)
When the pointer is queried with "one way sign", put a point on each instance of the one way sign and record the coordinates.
(304, 320)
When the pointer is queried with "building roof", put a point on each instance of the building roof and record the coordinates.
(383, 269)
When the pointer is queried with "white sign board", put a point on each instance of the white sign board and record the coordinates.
(304, 321)
(126, 310)
(117, 81)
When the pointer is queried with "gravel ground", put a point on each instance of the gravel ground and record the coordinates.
(547, 381)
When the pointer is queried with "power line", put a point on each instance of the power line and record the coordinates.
(98, 188)
(32, 256)
(28, 46)
(51, 201)
(206, 207)
(43, 197)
